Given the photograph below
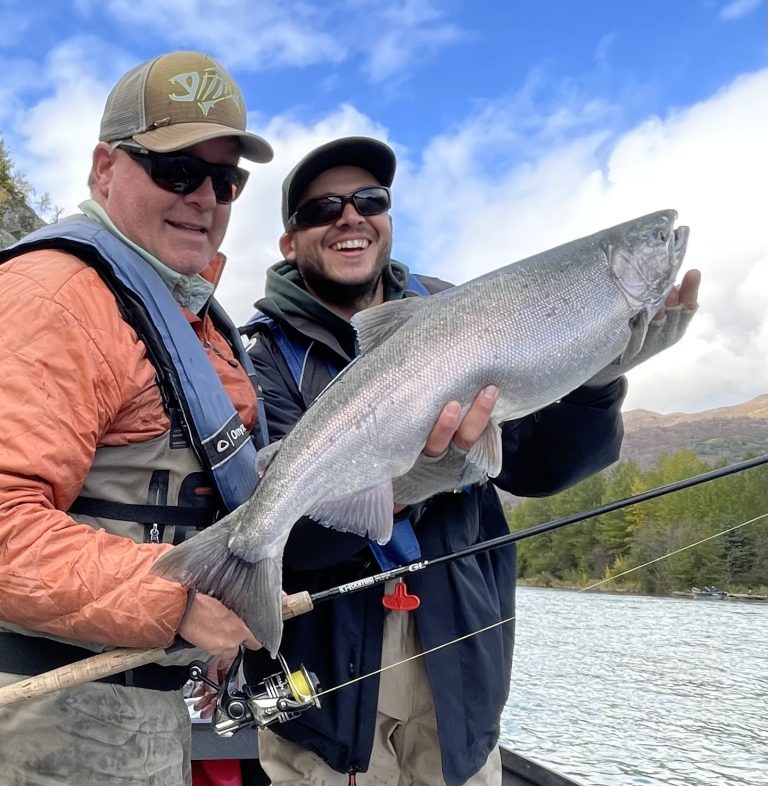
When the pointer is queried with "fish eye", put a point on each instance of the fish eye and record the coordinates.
(663, 235)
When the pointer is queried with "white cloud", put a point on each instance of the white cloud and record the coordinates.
(248, 35)
(603, 49)
(402, 34)
(382, 40)
(710, 162)
(61, 129)
(738, 8)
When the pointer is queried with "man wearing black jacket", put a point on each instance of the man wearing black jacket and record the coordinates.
(433, 719)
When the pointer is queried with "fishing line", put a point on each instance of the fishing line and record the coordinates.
(514, 616)
(676, 551)
(418, 655)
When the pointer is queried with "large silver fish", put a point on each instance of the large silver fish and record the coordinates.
(537, 329)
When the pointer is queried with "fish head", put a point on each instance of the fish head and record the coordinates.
(644, 257)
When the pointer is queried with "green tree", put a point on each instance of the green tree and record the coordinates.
(11, 180)
(659, 534)
(615, 530)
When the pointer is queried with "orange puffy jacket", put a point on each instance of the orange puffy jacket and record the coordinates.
(74, 377)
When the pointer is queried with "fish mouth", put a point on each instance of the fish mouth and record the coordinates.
(681, 242)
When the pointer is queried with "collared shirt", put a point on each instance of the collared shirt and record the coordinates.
(192, 292)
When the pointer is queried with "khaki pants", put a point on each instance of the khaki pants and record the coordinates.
(96, 734)
(406, 750)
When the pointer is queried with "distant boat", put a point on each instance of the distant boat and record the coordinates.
(708, 593)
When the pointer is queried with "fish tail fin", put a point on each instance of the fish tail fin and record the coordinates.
(252, 590)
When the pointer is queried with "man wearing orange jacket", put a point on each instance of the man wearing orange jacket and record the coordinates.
(118, 371)
(126, 406)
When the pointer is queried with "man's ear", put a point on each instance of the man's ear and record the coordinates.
(287, 247)
(101, 170)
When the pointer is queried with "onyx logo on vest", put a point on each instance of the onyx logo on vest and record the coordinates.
(232, 438)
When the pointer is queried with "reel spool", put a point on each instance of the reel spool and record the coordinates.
(283, 696)
(276, 699)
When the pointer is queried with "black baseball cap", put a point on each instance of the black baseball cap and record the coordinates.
(361, 151)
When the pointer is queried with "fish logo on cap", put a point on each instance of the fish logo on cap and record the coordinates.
(207, 89)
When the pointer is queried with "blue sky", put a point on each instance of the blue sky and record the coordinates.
(518, 126)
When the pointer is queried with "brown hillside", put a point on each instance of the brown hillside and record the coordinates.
(726, 433)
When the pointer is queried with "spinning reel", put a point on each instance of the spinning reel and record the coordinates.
(276, 699)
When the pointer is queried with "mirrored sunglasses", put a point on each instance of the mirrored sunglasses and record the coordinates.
(369, 201)
(182, 173)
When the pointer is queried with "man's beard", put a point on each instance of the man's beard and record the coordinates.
(346, 296)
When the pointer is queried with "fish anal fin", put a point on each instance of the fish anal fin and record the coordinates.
(430, 476)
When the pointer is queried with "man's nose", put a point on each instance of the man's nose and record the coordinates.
(204, 194)
(349, 216)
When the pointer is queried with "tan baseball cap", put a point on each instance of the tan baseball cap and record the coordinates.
(178, 100)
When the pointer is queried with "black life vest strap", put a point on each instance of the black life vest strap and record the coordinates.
(166, 515)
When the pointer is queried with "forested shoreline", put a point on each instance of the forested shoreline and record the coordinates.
(581, 554)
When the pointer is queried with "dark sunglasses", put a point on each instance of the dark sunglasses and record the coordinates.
(183, 173)
(369, 201)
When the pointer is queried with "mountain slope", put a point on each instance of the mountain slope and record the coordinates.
(727, 433)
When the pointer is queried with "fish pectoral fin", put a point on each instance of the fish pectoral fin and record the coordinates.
(265, 456)
(485, 454)
(638, 329)
(375, 325)
(367, 513)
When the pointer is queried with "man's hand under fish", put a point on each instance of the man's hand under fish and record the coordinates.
(463, 432)
(666, 328)
(451, 431)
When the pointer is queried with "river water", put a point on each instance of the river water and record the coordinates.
(617, 690)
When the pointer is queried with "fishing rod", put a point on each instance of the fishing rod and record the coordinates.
(311, 600)
(299, 686)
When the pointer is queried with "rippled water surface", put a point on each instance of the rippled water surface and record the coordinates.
(620, 690)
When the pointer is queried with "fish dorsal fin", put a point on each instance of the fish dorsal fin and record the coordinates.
(266, 455)
(368, 513)
(485, 454)
(376, 324)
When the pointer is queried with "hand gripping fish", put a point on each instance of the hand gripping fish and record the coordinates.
(538, 329)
